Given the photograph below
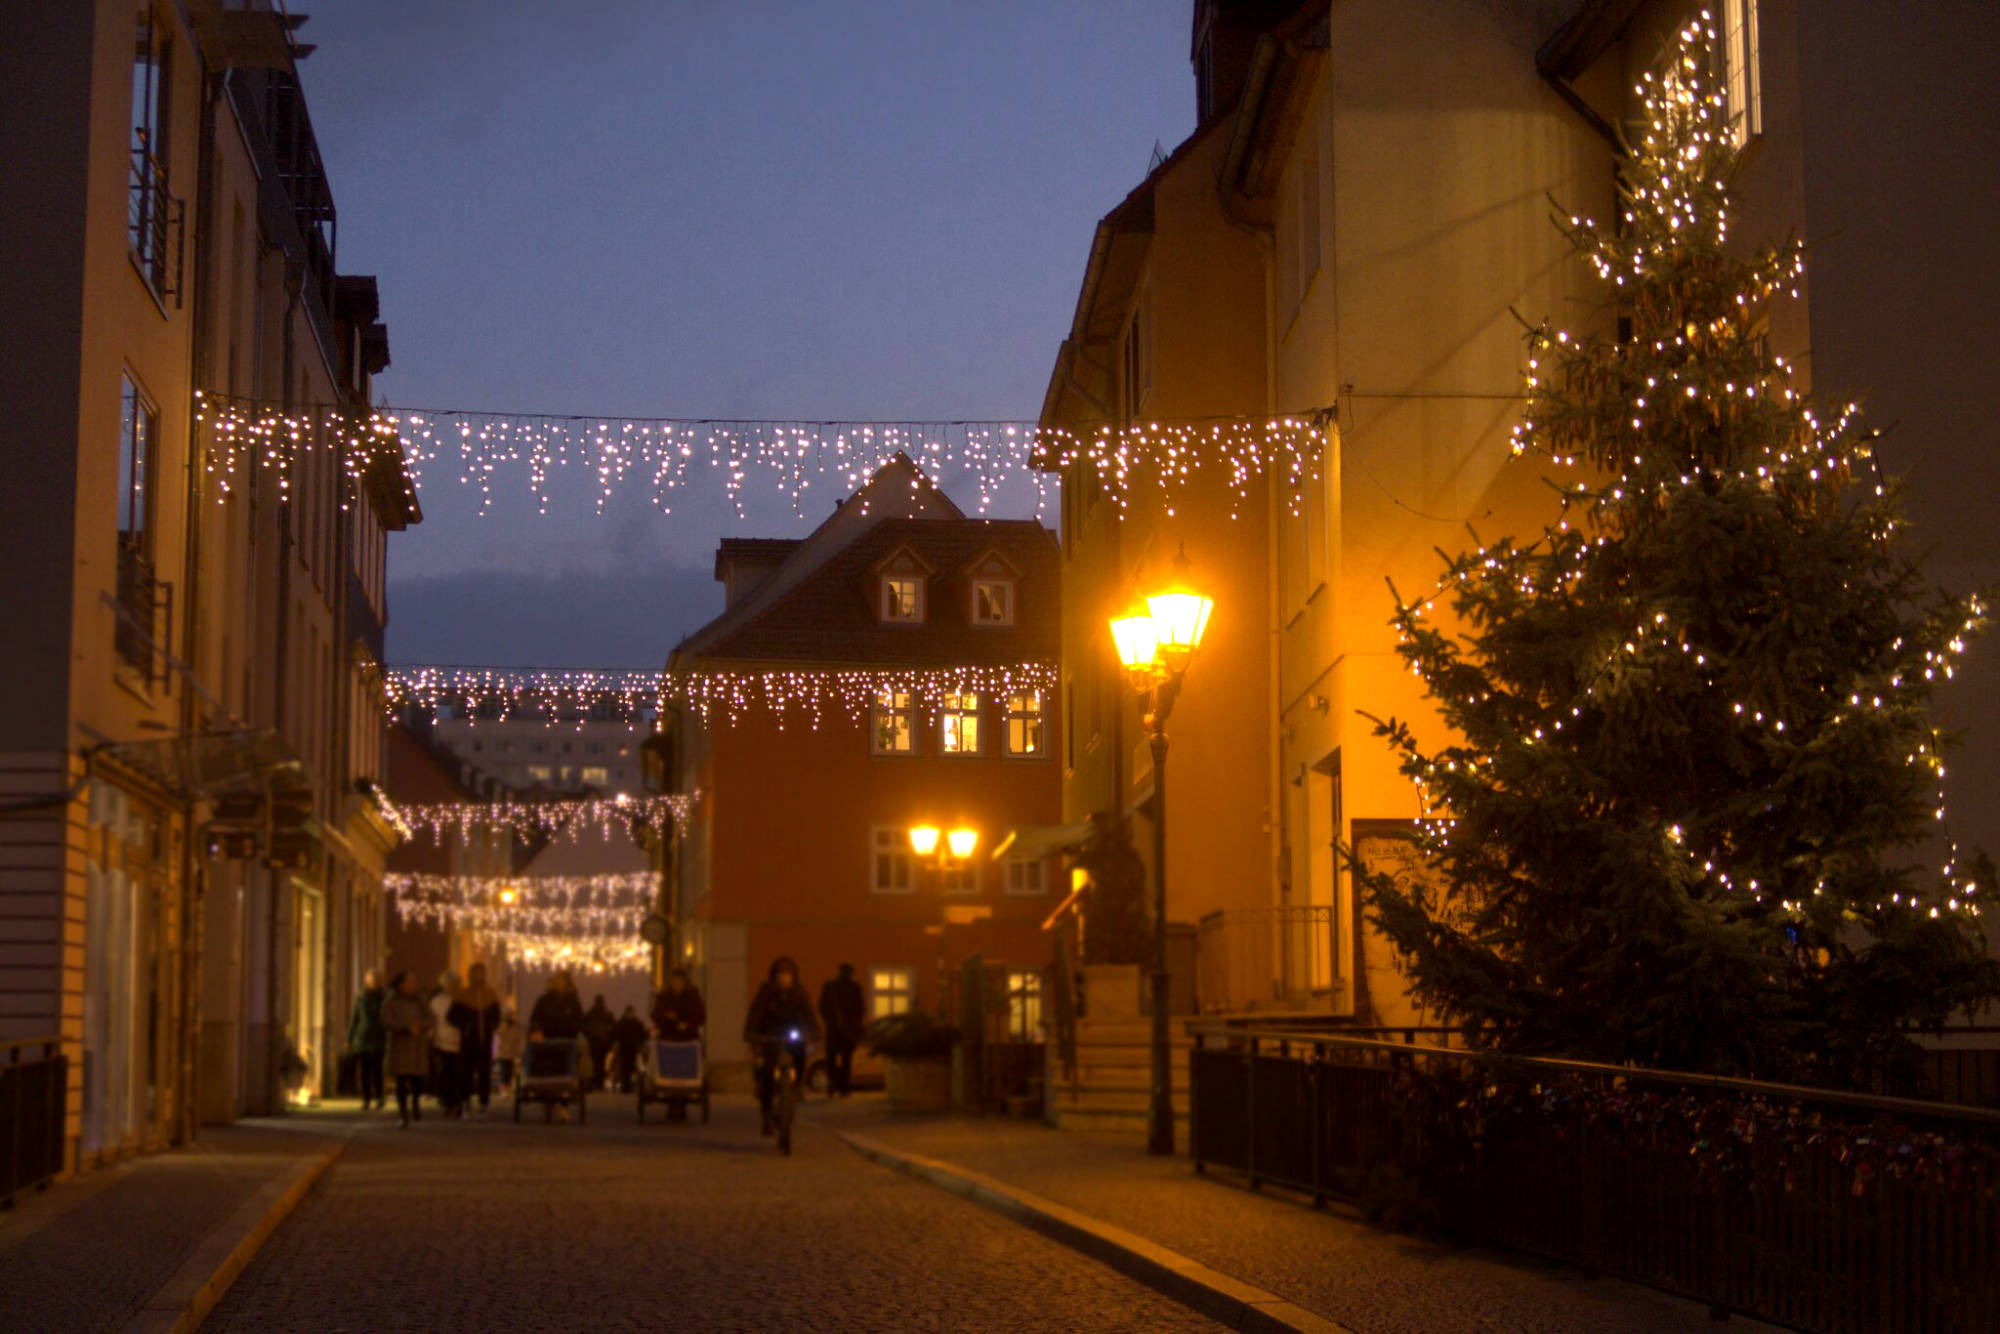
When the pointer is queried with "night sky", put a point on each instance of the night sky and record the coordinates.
(872, 210)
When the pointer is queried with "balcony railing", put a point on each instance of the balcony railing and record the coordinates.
(157, 225)
(1246, 957)
(145, 607)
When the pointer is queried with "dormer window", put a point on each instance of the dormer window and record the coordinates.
(902, 598)
(992, 602)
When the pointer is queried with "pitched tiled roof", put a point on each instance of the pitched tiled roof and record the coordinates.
(828, 615)
(769, 550)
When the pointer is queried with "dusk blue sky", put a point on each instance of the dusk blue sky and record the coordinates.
(864, 210)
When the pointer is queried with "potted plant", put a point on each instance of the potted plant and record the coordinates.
(916, 1055)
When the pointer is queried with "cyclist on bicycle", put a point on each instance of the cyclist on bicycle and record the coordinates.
(780, 1023)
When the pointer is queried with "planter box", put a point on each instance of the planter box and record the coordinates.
(919, 1084)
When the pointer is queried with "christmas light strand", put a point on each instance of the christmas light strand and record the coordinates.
(607, 890)
(569, 819)
(665, 455)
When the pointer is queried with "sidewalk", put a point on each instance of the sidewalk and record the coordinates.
(1328, 1262)
(150, 1243)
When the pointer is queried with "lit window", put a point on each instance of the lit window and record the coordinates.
(595, 776)
(961, 724)
(1024, 1005)
(138, 423)
(891, 990)
(891, 849)
(1741, 84)
(1024, 723)
(958, 875)
(895, 723)
(902, 598)
(1024, 875)
(992, 602)
(539, 772)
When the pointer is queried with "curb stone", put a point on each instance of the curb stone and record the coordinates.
(185, 1300)
(1230, 1301)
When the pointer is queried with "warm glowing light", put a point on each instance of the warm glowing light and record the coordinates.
(924, 839)
(509, 895)
(1137, 639)
(962, 842)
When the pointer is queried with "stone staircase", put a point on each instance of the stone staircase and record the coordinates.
(1112, 1087)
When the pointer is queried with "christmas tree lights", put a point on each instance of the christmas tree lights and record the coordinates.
(1692, 716)
(665, 455)
(539, 920)
(569, 818)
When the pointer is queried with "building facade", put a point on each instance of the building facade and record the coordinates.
(190, 847)
(799, 840)
(577, 753)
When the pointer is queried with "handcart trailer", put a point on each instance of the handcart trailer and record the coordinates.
(552, 1072)
(675, 1073)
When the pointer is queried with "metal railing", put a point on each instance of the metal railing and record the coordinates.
(1247, 957)
(145, 606)
(34, 1086)
(156, 225)
(1791, 1204)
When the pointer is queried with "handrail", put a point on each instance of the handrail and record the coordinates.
(1565, 1065)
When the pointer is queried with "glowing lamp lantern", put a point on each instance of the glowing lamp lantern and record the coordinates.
(507, 895)
(1137, 639)
(1180, 617)
(924, 839)
(962, 842)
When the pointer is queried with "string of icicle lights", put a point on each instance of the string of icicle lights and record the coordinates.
(812, 695)
(540, 921)
(664, 455)
(568, 818)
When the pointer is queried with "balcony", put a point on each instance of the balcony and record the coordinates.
(145, 607)
(156, 227)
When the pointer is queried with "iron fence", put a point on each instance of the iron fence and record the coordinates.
(34, 1083)
(156, 224)
(145, 605)
(1814, 1209)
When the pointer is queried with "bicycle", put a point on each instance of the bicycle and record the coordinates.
(786, 1057)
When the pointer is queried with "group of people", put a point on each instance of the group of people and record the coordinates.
(453, 1039)
(445, 1040)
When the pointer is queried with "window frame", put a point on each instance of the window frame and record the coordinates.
(959, 877)
(1005, 588)
(878, 711)
(953, 708)
(888, 612)
(892, 842)
(138, 460)
(1741, 73)
(1037, 718)
(1024, 1003)
(1021, 864)
(882, 999)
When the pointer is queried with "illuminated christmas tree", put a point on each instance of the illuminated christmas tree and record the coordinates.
(1695, 770)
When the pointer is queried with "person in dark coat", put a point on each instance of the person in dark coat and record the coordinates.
(598, 1023)
(840, 1008)
(406, 1030)
(628, 1035)
(558, 1014)
(476, 1012)
(365, 1039)
(780, 1023)
(678, 1011)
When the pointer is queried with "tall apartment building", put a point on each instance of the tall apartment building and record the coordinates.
(799, 843)
(1361, 212)
(576, 753)
(190, 844)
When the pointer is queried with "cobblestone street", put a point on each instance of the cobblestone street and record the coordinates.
(617, 1225)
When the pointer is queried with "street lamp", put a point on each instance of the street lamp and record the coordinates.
(1156, 643)
(958, 846)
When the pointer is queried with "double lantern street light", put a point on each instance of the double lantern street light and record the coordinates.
(957, 851)
(1156, 641)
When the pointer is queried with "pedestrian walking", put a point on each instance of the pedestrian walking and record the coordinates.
(598, 1024)
(507, 1047)
(365, 1039)
(840, 1009)
(628, 1036)
(780, 1023)
(445, 1045)
(678, 1012)
(477, 1015)
(558, 1017)
(406, 1033)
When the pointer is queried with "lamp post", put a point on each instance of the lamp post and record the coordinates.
(958, 846)
(1156, 643)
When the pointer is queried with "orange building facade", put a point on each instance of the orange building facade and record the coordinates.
(799, 844)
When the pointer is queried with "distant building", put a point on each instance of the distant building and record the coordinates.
(565, 754)
(800, 840)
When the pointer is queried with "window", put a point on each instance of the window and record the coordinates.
(960, 724)
(1024, 723)
(1024, 1005)
(137, 425)
(891, 990)
(1742, 87)
(892, 861)
(151, 211)
(958, 875)
(596, 776)
(1024, 875)
(992, 602)
(1137, 366)
(895, 723)
(539, 772)
(902, 597)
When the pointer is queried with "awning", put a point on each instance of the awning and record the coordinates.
(1035, 841)
(192, 767)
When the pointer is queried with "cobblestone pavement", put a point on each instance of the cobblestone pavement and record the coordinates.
(1366, 1278)
(89, 1253)
(616, 1225)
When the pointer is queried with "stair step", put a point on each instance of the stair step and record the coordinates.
(1129, 1123)
(1117, 1100)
